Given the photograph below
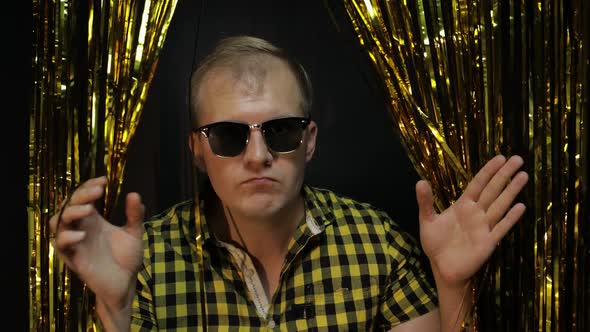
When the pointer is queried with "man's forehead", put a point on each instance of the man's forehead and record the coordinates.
(249, 78)
(251, 71)
(269, 79)
(223, 84)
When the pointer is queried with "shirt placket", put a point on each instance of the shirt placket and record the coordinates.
(301, 242)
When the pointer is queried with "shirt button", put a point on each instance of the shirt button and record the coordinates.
(272, 324)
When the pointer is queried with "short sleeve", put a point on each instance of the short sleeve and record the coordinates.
(143, 316)
(408, 293)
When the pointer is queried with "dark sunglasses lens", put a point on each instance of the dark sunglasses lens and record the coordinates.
(283, 135)
(228, 139)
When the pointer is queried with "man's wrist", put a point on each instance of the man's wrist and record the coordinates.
(114, 319)
(455, 303)
(116, 315)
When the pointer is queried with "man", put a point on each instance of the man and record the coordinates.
(279, 254)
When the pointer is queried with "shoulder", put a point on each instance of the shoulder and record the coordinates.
(167, 243)
(364, 222)
(172, 219)
(343, 208)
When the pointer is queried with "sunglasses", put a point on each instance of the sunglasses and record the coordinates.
(229, 139)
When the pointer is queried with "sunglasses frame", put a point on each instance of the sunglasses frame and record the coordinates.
(305, 121)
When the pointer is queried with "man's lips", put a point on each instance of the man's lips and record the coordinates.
(259, 180)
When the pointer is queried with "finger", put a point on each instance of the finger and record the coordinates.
(65, 256)
(502, 228)
(98, 181)
(499, 181)
(503, 202)
(482, 177)
(77, 212)
(53, 220)
(425, 200)
(67, 239)
(135, 212)
(87, 194)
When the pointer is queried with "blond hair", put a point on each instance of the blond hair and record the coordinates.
(240, 53)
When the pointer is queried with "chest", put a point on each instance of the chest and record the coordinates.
(323, 285)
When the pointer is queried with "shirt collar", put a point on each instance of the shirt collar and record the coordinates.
(316, 208)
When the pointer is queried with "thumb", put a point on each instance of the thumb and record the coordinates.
(425, 201)
(135, 213)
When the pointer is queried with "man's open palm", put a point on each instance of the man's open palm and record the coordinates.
(106, 257)
(459, 240)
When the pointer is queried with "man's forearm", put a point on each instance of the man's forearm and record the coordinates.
(116, 318)
(454, 304)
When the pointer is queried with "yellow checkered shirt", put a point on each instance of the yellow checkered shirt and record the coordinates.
(349, 268)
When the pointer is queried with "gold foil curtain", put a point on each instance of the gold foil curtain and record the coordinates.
(93, 62)
(469, 79)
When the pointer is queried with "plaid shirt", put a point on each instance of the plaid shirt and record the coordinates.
(349, 267)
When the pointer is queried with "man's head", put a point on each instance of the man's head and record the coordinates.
(245, 56)
(257, 171)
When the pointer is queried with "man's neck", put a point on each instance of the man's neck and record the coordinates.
(262, 238)
(265, 240)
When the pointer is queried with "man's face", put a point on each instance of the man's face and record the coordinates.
(258, 182)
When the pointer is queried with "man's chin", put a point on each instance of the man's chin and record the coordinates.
(260, 206)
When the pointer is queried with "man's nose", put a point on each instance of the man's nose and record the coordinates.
(257, 152)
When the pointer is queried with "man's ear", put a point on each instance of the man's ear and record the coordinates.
(194, 143)
(312, 131)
